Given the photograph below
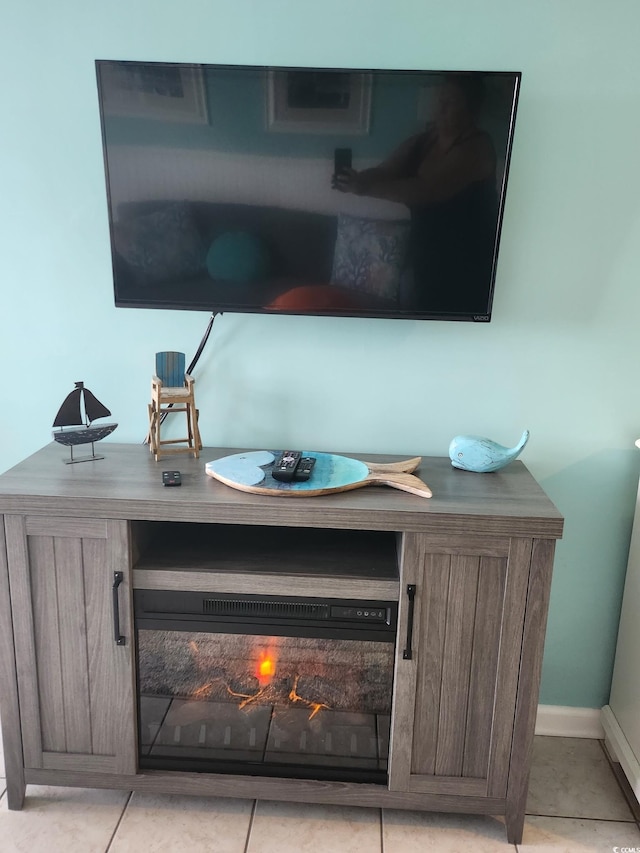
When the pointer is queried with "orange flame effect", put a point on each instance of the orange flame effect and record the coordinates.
(316, 707)
(266, 667)
(264, 671)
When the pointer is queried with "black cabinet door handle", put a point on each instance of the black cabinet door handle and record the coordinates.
(407, 654)
(118, 578)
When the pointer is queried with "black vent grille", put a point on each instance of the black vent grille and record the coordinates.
(265, 609)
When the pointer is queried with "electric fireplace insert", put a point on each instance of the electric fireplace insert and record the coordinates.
(292, 687)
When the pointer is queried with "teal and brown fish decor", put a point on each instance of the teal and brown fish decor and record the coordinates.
(475, 453)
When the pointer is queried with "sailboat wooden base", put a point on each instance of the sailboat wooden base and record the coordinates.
(93, 457)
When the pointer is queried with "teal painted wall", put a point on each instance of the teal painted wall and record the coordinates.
(559, 356)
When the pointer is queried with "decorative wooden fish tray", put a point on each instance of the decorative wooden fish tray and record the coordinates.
(251, 472)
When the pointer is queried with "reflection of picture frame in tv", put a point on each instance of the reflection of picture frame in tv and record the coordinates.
(155, 91)
(308, 101)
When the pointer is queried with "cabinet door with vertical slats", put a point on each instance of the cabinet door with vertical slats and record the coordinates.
(455, 694)
(75, 682)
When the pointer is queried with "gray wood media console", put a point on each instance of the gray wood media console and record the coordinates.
(468, 575)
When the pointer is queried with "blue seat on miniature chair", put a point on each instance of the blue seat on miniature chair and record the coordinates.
(172, 391)
(170, 367)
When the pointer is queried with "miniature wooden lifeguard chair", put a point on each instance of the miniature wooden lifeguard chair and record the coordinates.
(172, 391)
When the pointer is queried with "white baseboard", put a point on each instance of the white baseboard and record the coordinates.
(621, 751)
(564, 721)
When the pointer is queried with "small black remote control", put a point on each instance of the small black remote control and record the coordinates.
(171, 478)
(304, 469)
(285, 465)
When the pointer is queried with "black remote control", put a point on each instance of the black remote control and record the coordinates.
(304, 469)
(285, 465)
(171, 478)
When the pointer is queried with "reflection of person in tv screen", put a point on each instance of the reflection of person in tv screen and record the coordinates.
(447, 177)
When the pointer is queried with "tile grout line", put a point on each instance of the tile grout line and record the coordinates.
(249, 830)
(583, 817)
(120, 819)
(623, 783)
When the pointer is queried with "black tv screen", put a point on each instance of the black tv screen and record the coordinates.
(374, 193)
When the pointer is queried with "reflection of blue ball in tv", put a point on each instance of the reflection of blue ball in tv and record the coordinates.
(238, 256)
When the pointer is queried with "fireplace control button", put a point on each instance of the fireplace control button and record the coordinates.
(341, 612)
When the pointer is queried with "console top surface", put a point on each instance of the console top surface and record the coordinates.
(127, 484)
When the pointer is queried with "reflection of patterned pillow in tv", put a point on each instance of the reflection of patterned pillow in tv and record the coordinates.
(370, 255)
(163, 244)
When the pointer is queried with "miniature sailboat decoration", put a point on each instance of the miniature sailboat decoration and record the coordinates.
(72, 428)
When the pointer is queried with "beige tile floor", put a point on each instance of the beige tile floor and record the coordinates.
(575, 806)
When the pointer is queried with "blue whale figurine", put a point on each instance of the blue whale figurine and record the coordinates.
(475, 453)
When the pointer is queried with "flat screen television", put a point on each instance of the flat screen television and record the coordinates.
(341, 192)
